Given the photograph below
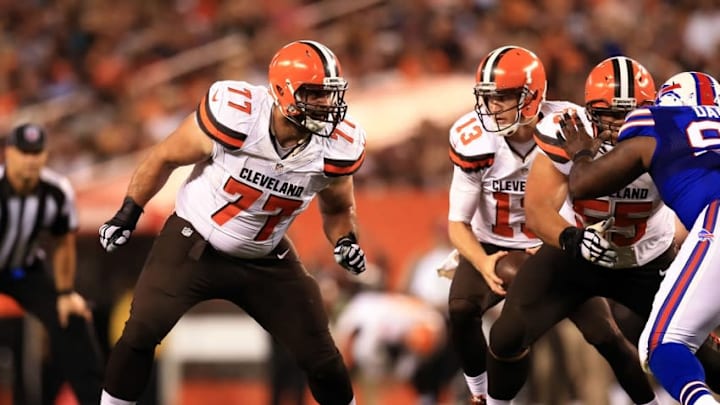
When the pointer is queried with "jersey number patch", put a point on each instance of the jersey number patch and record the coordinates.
(703, 135)
(469, 133)
(276, 207)
(503, 206)
(630, 217)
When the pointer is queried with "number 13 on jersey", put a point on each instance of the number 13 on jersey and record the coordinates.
(505, 204)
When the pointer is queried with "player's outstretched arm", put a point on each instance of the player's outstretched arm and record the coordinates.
(186, 145)
(609, 173)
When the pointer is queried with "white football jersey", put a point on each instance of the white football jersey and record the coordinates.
(245, 197)
(488, 184)
(643, 223)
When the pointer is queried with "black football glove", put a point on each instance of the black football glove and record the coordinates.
(116, 231)
(590, 243)
(349, 254)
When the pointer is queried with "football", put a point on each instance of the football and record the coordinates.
(507, 266)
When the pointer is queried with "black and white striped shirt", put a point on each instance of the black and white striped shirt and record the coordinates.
(51, 206)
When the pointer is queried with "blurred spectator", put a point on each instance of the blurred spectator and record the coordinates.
(388, 347)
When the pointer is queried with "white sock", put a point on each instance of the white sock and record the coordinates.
(352, 402)
(653, 402)
(706, 400)
(477, 385)
(493, 401)
(107, 399)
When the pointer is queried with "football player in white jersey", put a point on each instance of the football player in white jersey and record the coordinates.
(260, 155)
(572, 265)
(492, 149)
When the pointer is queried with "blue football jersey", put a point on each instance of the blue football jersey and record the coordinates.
(686, 164)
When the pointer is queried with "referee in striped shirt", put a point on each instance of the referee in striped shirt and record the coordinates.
(34, 199)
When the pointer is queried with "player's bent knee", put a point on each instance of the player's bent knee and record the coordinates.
(507, 338)
(140, 336)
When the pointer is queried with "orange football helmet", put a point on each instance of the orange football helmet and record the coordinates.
(506, 71)
(613, 88)
(301, 73)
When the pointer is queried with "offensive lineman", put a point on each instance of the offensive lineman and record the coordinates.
(260, 157)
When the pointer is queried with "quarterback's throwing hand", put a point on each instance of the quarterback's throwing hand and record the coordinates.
(116, 232)
(349, 254)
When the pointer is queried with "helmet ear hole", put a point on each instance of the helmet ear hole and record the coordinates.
(279, 90)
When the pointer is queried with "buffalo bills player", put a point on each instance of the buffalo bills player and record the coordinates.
(260, 155)
(677, 143)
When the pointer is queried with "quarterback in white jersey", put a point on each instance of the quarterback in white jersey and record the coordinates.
(260, 154)
(488, 185)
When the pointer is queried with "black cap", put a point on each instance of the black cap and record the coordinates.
(28, 138)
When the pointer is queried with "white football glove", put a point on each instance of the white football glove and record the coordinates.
(349, 254)
(116, 232)
(590, 243)
(595, 248)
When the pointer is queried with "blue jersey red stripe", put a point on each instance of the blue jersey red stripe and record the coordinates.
(675, 296)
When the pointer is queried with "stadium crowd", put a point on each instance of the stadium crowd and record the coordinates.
(90, 67)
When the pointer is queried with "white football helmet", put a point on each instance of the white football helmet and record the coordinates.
(689, 89)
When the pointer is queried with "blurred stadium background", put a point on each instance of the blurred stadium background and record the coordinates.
(108, 79)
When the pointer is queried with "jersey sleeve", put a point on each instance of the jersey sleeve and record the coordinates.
(465, 190)
(471, 149)
(638, 123)
(223, 111)
(546, 138)
(345, 149)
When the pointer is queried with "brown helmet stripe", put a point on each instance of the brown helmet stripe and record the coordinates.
(623, 73)
(491, 62)
(326, 57)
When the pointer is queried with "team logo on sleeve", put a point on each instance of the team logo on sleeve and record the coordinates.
(705, 236)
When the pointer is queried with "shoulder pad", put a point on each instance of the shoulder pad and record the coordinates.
(471, 149)
(546, 131)
(228, 110)
(546, 137)
(344, 149)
